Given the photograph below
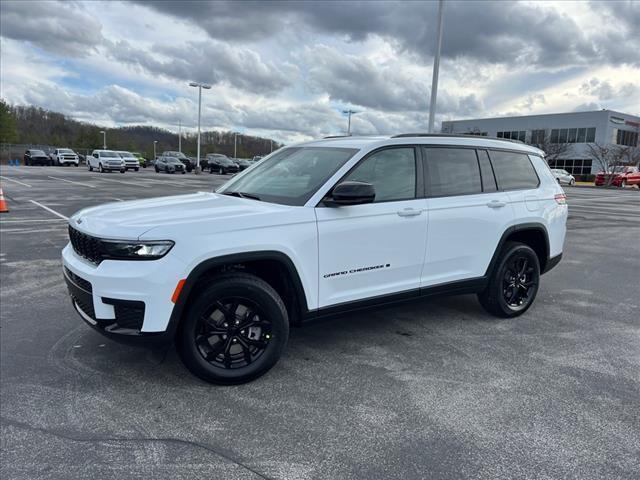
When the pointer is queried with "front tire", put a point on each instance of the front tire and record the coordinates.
(572, 183)
(234, 331)
(514, 282)
(100, 168)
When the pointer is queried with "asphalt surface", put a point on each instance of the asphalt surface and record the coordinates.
(434, 389)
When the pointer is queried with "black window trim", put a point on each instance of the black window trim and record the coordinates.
(500, 189)
(419, 180)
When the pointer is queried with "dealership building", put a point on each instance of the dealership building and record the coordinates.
(577, 129)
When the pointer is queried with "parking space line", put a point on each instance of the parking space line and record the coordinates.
(126, 183)
(13, 180)
(27, 230)
(49, 209)
(32, 220)
(71, 181)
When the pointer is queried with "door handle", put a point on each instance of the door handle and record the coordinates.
(409, 212)
(496, 204)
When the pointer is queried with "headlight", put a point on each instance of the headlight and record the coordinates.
(119, 250)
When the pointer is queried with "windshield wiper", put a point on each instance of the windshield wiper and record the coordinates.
(242, 195)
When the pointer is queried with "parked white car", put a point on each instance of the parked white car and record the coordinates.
(131, 162)
(563, 177)
(65, 156)
(106, 161)
(313, 230)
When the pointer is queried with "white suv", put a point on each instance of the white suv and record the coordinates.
(65, 156)
(312, 230)
(106, 161)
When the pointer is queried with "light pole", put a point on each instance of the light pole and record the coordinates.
(349, 112)
(180, 136)
(235, 145)
(436, 69)
(155, 142)
(200, 86)
(104, 139)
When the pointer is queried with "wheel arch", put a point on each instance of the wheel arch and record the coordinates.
(275, 267)
(535, 235)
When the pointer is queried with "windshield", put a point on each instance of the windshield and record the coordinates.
(126, 155)
(108, 154)
(620, 169)
(176, 154)
(38, 152)
(290, 176)
(173, 160)
(65, 150)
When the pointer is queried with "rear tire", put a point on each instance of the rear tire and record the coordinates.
(514, 282)
(238, 312)
(572, 182)
(623, 183)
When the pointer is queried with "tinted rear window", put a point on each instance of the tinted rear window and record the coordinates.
(513, 171)
(452, 171)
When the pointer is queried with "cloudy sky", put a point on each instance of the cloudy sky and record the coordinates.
(287, 69)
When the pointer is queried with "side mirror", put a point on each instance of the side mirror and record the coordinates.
(351, 193)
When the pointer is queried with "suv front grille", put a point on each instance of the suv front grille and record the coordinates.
(85, 245)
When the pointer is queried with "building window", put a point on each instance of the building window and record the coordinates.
(572, 135)
(626, 137)
(573, 166)
(515, 135)
(538, 136)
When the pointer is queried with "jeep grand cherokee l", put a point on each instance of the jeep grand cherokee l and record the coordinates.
(316, 229)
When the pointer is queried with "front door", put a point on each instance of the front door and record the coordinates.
(375, 249)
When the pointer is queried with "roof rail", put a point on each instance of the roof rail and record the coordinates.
(337, 136)
(453, 135)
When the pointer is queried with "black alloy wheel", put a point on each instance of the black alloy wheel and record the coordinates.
(234, 331)
(233, 334)
(514, 282)
(519, 281)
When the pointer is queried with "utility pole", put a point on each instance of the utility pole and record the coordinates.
(349, 113)
(155, 155)
(180, 136)
(104, 139)
(200, 86)
(235, 145)
(436, 69)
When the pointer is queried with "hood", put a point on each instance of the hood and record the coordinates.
(132, 219)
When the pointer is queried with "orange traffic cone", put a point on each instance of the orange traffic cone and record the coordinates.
(3, 204)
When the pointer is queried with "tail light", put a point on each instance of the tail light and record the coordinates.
(561, 199)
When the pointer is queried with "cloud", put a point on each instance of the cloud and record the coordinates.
(604, 90)
(496, 32)
(207, 61)
(57, 27)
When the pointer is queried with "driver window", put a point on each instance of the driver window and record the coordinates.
(392, 172)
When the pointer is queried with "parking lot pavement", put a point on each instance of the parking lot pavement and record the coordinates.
(435, 389)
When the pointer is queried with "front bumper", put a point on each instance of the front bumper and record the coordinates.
(129, 301)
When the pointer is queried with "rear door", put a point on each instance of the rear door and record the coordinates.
(517, 177)
(467, 214)
(375, 249)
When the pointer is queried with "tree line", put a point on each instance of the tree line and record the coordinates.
(37, 126)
